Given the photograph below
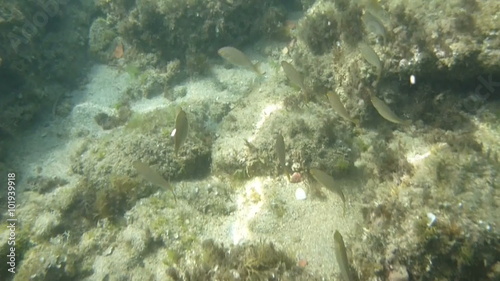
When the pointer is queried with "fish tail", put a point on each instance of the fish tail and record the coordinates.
(256, 68)
(406, 122)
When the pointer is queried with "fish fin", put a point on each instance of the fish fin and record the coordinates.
(406, 122)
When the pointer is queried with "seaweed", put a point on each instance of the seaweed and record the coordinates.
(260, 261)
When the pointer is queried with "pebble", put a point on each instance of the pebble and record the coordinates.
(399, 273)
(300, 194)
(296, 178)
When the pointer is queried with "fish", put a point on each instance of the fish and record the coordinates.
(341, 257)
(374, 25)
(376, 9)
(339, 107)
(386, 112)
(280, 151)
(181, 129)
(371, 57)
(328, 182)
(294, 76)
(238, 58)
(152, 176)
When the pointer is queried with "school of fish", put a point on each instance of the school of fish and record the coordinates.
(373, 19)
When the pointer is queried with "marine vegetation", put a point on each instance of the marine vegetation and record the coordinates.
(260, 261)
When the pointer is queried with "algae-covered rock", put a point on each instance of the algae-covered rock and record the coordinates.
(430, 204)
(43, 51)
(49, 261)
(113, 185)
(313, 138)
(327, 24)
(455, 44)
(181, 29)
(456, 41)
(259, 261)
(101, 36)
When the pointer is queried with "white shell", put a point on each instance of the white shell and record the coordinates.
(300, 194)
(413, 79)
(432, 219)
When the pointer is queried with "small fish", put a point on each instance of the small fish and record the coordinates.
(374, 25)
(280, 151)
(374, 7)
(238, 58)
(371, 57)
(339, 107)
(292, 74)
(341, 257)
(152, 176)
(181, 129)
(386, 112)
(295, 77)
(328, 182)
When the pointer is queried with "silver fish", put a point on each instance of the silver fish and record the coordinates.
(295, 77)
(386, 112)
(181, 129)
(238, 58)
(292, 74)
(371, 57)
(339, 107)
(152, 176)
(374, 25)
(341, 257)
(280, 149)
(280, 152)
(328, 182)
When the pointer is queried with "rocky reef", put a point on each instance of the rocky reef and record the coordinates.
(422, 196)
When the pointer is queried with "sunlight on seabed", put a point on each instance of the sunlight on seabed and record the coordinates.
(414, 158)
(266, 112)
(249, 203)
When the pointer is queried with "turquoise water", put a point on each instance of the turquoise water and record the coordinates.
(334, 140)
